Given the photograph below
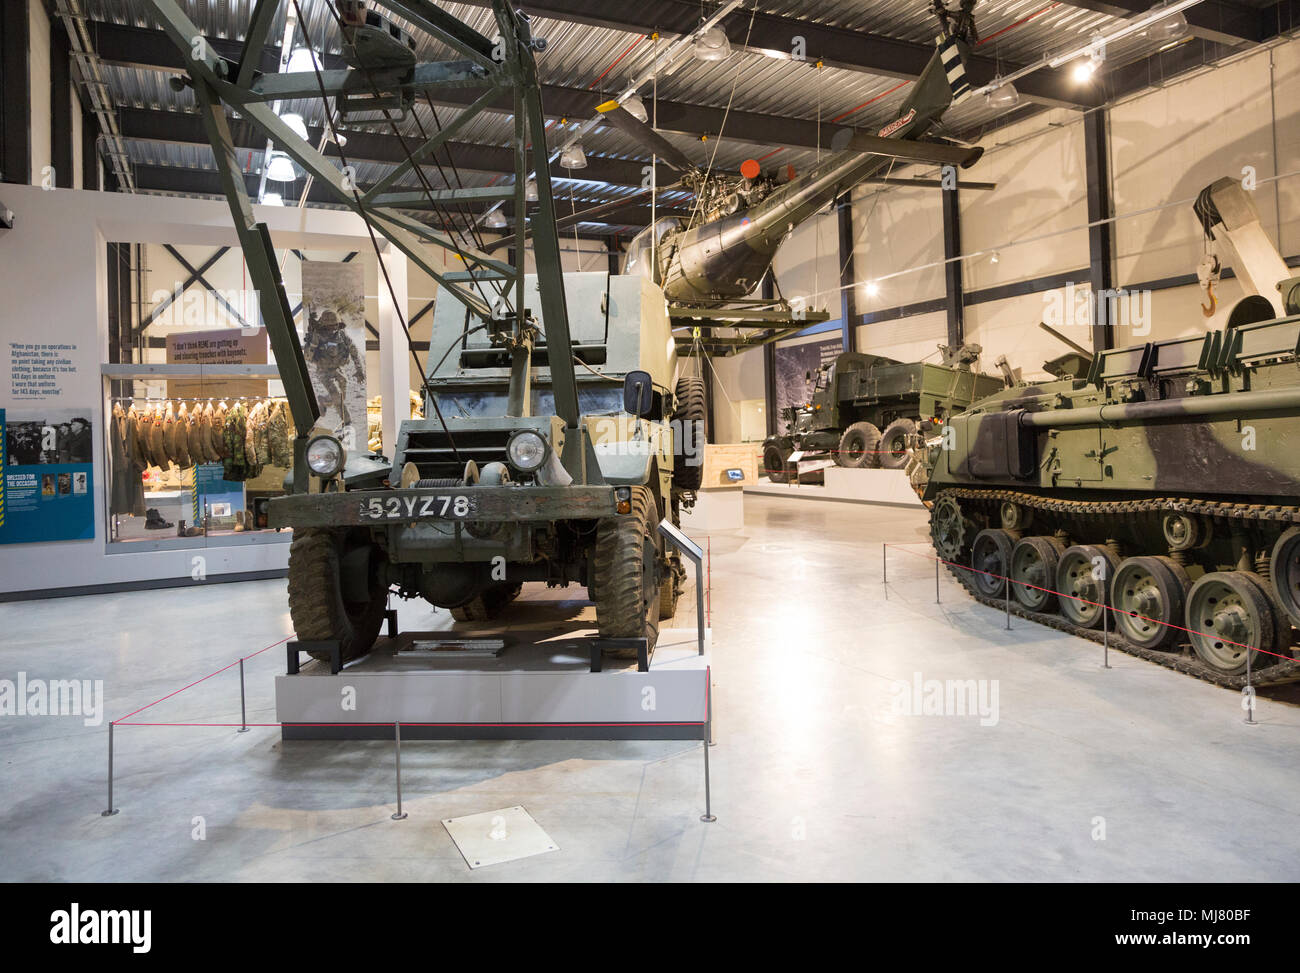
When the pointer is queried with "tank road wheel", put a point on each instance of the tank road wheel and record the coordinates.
(1033, 572)
(896, 444)
(336, 591)
(990, 554)
(1084, 572)
(689, 433)
(1147, 598)
(774, 465)
(627, 557)
(859, 446)
(1229, 614)
(1285, 571)
(949, 529)
(487, 604)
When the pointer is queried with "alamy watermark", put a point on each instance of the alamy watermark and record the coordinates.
(946, 697)
(1073, 306)
(53, 697)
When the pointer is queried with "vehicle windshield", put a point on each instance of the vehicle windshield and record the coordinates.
(491, 403)
(637, 259)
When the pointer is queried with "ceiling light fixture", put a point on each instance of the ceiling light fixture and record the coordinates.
(280, 168)
(573, 157)
(712, 45)
(295, 122)
(635, 107)
(1169, 28)
(273, 199)
(530, 190)
(494, 220)
(302, 59)
(1004, 95)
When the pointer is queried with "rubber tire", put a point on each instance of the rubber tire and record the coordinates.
(487, 604)
(1049, 550)
(1004, 541)
(861, 438)
(316, 604)
(627, 603)
(774, 465)
(1261, 592)
(1175, 597)
(904, 428)
(670, 590)
(689, 409)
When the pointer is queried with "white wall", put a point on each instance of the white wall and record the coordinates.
(53, 275)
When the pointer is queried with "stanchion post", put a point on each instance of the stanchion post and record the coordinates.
(397, 743)
(1250, 693)
(1105, 628)
(708, 816)
(243, 702)
(110, 810)
(884, 569)
(936, 581)
(1006, 582)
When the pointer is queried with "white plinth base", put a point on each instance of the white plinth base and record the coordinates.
(888, 487)
(716, 510)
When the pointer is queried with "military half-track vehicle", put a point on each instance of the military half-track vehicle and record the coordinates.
(1160, 479)
(499, 492)
(867, 410)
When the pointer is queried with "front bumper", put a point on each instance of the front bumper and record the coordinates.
(474, 504)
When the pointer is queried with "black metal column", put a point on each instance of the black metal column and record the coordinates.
(16, 83)
(769, 366)
(1101, 245)
(848, 287)
(954, 299)
(61, 105)
(89, 153)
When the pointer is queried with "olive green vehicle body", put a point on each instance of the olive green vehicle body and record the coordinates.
(448, 539)
(1177, 463)
(859, 387)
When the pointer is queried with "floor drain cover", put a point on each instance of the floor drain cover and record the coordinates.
(494, 837)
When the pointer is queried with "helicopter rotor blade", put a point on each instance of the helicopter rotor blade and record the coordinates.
(622, 119)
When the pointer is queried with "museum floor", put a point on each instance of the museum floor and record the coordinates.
(816, 775)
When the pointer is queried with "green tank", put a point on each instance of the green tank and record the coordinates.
(1162, 479)
(867, 410)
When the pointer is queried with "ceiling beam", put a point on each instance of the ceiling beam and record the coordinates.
(142, 48)
(185, 128)
(773, 35)
(1220, 21)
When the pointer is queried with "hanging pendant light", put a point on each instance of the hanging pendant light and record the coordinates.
(573, 157)
(295, 122)
(302, 59)
(494, 220)
(272, 199)
(635, 107)
(530, 190)
(1004, 95)
(280, 168)
(1169, 28)
(712, 44)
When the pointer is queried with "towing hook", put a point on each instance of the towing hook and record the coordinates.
(1208, 309)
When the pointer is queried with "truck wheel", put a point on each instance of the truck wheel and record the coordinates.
(858, 446)
(486, 604)
(671, 588)
(774, 465)
(627, 555)
(896, 444)
(322, 607)
(689, 434)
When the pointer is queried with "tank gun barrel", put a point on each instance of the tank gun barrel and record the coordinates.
(1228, 404)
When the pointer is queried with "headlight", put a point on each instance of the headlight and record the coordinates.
(325, 455)
(526, 451)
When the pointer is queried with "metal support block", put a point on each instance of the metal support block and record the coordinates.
(335, 648)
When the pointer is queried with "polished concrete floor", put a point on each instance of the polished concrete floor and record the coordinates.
(820, 772)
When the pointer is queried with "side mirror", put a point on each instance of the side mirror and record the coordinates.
(638, 394)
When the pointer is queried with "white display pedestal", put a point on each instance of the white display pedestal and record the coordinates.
(887, 487)
(715, 510)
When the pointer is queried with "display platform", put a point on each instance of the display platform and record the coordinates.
(538, 686)
(715, 510)
(887, 487)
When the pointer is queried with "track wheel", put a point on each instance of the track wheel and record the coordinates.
(1285, 571)
(1147, 598)
(774, 465)
(689, 433)
(896, 444)
(1082, 577)
(1033, 572)
(990, 554)
(859, 446)
(1231, 613)
(487, 604)
(627, 563)
(336, 590)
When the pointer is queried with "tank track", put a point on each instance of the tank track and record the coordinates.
(1182, 659)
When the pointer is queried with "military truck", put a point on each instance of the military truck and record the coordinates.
(857, 396)
(1159, 480)
(493, 490)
